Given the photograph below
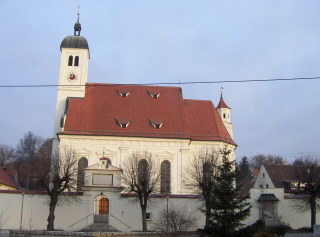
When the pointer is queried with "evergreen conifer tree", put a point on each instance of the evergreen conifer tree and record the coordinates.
(229, 208)
(244, 171)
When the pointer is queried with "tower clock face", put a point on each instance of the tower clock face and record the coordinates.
(72, 76)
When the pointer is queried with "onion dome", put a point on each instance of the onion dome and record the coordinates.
(75, 41)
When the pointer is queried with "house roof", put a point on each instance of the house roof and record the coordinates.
(106, 105)
(280, 173)
(7, 180)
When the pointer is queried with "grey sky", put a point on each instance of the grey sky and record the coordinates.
(173, 41)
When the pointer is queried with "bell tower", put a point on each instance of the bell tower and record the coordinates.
(224, 112)
(73, 74)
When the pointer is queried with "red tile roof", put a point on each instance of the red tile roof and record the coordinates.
(222, 104)
(7, 180)
(97, 114)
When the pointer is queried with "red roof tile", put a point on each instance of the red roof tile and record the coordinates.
(95, 114)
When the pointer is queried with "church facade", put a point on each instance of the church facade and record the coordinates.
(106, 123)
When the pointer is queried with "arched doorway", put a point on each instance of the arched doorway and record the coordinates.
(104, 206)
(101, 214)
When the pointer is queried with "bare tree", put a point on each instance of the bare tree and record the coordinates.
(200, 174)
(26, 150)
(175, 220)
(57, 178)
(6, 153)
(307, 176)
(141, 176)
(260, 159)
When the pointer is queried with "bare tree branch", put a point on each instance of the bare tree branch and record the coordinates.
(141, 176)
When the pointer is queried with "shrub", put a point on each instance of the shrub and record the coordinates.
(264, 234)
(250, 230)
(306, 229)
(279, 230)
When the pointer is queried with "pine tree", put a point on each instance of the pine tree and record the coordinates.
(244, 171)
(228, 207)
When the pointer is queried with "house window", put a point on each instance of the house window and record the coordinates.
(224, 115)
(260, 185)
(267, 185)
(263, 175)
(149, 216)
(76, 61)
(70, 61)
(165, 177)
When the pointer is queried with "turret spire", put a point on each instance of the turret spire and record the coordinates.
(222, 104)
(77, 26)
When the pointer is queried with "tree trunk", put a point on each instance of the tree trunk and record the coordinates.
(143, 206)
(144, 218)
(208, 213)
(52, 207)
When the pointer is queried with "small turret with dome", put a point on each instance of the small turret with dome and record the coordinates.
(224, 112)
(75, 41)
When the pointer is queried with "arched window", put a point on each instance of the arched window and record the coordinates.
(70, 60)
(82, 164)
(207, 174)
(165, 177)
(76, 61)
(143, 171)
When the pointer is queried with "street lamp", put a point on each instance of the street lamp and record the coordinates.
(168, 211)
(23, 193)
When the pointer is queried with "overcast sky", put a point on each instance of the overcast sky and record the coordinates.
(174, 41)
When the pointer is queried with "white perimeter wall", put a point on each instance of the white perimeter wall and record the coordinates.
(289, 216)
(125, 213)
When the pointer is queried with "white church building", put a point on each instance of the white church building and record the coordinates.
(104, 124)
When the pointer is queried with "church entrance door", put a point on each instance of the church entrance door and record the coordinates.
(102, 212)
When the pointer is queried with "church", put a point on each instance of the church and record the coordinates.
(106, 123)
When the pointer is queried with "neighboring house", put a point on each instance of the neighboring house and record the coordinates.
(277, 176)
(274, 193)
(7, 180)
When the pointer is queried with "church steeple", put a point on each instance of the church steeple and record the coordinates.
(224, 112)
(73, 74)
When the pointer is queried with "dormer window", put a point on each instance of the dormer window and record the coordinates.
(157, 124)
(154, 95)
(124, 93)
(123, 122)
